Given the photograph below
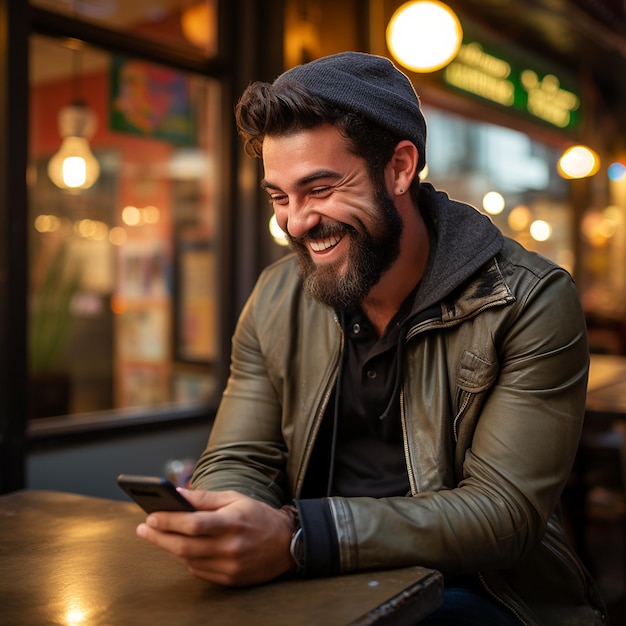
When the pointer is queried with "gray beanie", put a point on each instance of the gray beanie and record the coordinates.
(366, 84)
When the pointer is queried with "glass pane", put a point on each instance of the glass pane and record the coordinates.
(529, 200)
(122, 308)
(186, 24)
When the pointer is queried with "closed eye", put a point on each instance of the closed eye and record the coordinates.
(278, 198)
(321, 192)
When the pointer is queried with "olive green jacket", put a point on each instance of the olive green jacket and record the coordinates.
(492, 404)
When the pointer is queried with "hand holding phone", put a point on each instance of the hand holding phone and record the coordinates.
(153, 493)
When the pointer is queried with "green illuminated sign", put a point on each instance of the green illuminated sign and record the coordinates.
(492, 78)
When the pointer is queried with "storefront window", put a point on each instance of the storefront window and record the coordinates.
(185, 24)
(123, 271)
(507, 175)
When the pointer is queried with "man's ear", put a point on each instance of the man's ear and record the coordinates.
(402, 167)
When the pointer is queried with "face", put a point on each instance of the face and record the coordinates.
(345, 233)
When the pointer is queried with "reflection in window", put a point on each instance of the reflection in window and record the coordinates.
(477, 162)
(107, 328)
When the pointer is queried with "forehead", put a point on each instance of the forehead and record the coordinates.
(308, 149)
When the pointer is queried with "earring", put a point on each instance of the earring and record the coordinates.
(401, 190)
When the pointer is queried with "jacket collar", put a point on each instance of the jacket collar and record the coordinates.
(462, 241)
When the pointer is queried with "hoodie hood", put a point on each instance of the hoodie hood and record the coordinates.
(462, 241)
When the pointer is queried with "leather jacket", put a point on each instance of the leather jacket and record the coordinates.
(492, 402)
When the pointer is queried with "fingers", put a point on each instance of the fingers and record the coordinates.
(231, 540)
(199, 524)
(213, 559)
(183, 547)
(193, 524)
(219, 513)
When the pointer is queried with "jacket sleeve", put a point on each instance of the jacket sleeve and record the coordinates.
(246, 451)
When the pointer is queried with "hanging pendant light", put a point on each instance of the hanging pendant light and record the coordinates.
(74, 167)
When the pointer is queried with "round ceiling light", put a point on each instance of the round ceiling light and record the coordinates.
(424, 35)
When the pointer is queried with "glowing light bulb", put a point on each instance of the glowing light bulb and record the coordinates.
(519, 217)
(74, 171)
(578, 162)
(424, 35)
(73, 166)
(493, 203)
(540, 230)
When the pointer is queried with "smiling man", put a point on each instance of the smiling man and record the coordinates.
(408, 388)
(347, 234)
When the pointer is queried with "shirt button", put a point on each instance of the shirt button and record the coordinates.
(371, 374)
(356, 329)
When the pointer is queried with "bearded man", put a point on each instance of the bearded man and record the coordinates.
(408, 388)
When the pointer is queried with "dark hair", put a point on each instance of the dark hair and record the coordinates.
(266, 109)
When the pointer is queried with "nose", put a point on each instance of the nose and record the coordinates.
(296, 218)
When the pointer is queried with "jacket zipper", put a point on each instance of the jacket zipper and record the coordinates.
(405, 440)
(501, 601)
(308, 450)
(467, 397)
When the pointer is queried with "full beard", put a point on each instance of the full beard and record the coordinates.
(369, 255)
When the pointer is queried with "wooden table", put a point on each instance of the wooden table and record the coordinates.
(74, 560)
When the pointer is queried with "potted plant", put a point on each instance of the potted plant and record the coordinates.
(55, 281)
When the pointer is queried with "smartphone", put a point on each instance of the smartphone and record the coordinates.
(153, 493)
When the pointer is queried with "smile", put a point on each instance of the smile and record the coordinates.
(320, 245)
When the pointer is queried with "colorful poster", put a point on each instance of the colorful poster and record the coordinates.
(151, 101)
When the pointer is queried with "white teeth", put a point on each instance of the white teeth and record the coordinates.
(324, 244)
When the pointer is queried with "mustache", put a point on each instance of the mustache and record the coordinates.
(322, 231)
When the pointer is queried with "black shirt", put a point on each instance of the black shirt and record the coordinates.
(369, 449)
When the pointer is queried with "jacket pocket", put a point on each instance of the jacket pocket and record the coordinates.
(474, 376)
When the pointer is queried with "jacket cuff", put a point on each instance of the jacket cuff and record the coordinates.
(321, 546)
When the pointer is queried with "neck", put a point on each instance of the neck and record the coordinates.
(386, 297)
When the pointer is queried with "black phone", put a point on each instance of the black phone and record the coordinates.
(153, 493)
